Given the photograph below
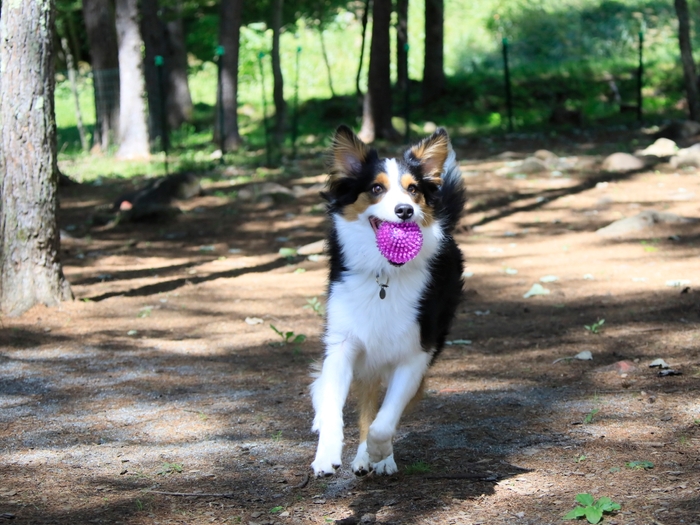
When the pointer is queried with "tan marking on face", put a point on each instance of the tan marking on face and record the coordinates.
(432, 153)
(406, 180)
(366, 199)
(349, 153)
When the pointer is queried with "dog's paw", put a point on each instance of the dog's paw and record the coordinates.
(361, 465)
(379, 445)
(386, 467)
(323, 469)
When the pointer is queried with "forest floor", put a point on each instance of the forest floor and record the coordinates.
(154, 397)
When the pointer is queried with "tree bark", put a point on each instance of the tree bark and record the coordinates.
(401, 44)
(30, 269)
(278, 87)
(153, 33)
(229, 33)
(133, 129)
(365, 20)
(433, 67)
(379, 82)
(180, 107)
(104, 54)
(691, 86)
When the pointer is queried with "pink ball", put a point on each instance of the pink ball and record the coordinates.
(399, 242)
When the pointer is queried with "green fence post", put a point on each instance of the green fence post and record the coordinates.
(640, 76)
(506, 71)
(164, 139)
(264, 103)
(407, 100)
(220, 99)
(295, 116)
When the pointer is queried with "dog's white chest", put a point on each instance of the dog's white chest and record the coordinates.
(387, 328)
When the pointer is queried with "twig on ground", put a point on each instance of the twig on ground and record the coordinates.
(228, 495)
(303, 483)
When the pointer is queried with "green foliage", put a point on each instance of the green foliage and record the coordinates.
(591, 510)
(289, 337)
(590, 415)
(595, 327)
(169, 468)
(419, 467)
(639, 465)
(317, 306)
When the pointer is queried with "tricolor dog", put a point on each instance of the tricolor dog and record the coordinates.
(395, 283)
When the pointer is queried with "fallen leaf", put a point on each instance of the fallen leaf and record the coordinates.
(549, 279)
(459, 342)
(660, 363)
(253, 320)
(537, 289)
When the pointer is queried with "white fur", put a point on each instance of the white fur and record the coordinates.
(370, 338)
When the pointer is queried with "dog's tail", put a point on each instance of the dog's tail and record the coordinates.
(453, 193)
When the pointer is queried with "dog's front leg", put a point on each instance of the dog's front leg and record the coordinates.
(403, 385)
(328, 394)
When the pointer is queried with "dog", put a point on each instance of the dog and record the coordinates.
(386, 320)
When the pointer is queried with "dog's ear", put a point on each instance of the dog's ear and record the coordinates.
(431, 153)
(349, 153)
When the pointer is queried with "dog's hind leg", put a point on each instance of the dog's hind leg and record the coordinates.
(328, 394)
(368, 404)
(403, 386)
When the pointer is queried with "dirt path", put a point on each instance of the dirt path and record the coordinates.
(152, 382)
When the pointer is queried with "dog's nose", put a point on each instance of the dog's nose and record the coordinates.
(404, 211)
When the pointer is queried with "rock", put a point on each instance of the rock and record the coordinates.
(274, 190)
(532, 165)
(510, 155)
(545, 155)
(679, 130)
(662, 148)
(312, 248)
(641, 221)
(622, 163)
(687, 157)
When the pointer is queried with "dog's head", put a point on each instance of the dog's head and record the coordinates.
(363, 187)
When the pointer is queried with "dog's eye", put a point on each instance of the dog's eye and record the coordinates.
(377, 189)
(412, 189)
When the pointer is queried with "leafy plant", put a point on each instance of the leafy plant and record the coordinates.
(595, 327)
(419, 467)
(581, 458)
(275, 510)
(317, 306)
(591, 509)
(639, 465)
(589, 416)
(169, 468)
(289, 337)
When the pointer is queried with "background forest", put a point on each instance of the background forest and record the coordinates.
(573, 63)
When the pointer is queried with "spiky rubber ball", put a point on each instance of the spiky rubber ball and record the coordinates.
(399, 242)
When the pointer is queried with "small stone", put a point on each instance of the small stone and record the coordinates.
(622, 163)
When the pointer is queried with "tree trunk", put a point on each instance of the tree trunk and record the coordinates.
(401, 44)
(433, 68)
(104, 54)
(365, 19)
(30, 270)
(326, 60)
(180, 108)
(229, 32)
(133, 129)
(278, 88)
(153, 33)
(691, 86)
(379, 82)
